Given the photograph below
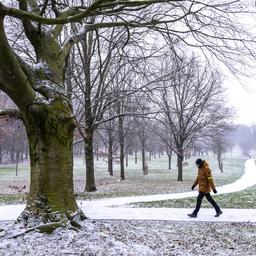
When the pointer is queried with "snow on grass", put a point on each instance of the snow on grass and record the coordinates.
(235, 200)
(158, 181)
(134, 238)
(240, 200)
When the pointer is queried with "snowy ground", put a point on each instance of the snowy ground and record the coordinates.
(201, 236)
(136, 238)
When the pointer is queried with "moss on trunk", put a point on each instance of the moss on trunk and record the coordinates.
(50, 134)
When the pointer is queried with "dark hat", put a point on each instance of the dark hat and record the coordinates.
(199, 162)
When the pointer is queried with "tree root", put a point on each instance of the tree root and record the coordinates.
(45, 228)
(48, 222)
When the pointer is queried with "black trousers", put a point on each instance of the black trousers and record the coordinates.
(200, 197)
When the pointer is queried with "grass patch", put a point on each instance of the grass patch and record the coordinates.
(160, 180)
(12, 199)
(241, 199)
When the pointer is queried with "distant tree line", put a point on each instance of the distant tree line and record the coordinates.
(148, 135)
(13, 139)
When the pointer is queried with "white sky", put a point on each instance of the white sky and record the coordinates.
(243, 99)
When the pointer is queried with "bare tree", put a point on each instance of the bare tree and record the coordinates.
(108, 132)
(95, 56)
(191, 105)
(219, 146)
(143, 135)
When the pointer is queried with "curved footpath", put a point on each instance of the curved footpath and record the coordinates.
(101, 209)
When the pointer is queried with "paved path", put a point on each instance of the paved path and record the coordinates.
(11, 212)
(173, 214)
(101, 209)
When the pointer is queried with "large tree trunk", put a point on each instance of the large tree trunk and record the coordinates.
(89, 160)
(50, 135)
(47, 116)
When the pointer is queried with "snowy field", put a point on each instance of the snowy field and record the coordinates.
(159, 180)
(141, 237)
(136, 238)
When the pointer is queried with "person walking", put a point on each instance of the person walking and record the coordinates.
(205, 181)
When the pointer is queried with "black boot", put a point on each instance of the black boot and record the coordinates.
(192, 215)
(218, 214)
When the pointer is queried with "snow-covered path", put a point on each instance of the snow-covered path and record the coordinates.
(101, 209)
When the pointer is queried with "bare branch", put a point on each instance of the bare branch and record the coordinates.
(10, 113)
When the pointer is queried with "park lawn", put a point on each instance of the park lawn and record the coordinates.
(242, 199)
(160, 180)
(12, 198)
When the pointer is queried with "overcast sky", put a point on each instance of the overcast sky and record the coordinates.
(242, 94)
(244, 100)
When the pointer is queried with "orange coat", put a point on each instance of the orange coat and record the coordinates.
(204, 178)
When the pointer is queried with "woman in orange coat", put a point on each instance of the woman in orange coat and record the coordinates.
(205, 181)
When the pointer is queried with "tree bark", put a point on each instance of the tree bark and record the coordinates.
(89, 160)
(169, 162)
(121, 143)
(110, 155)
(144, 164)
(180, 167)
(50, 136)
(169, 154)
(143, 158)
(47, 117)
